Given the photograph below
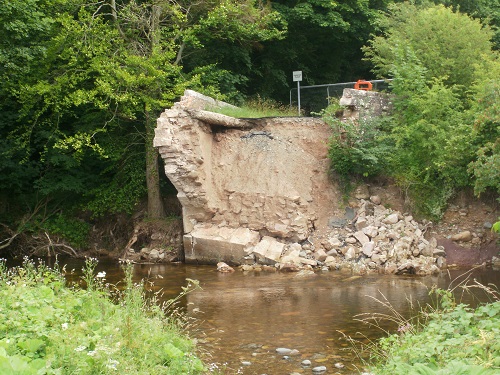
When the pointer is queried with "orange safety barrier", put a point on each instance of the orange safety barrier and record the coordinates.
(361, 84)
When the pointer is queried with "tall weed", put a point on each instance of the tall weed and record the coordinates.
(443, 337)
(47, 327)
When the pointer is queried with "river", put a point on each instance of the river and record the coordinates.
(242, 318)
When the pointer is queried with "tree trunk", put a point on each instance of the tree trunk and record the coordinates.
(155, 202)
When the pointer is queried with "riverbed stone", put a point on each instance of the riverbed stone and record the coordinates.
(154, 254)
(371, 231)
(319, 369)
(391, 219)
(289, 267)
(361, 237)
(224, 267)
(361, 223)
(268, 250)
(362, 192)
(464, 236)
(368, 248)
(350, 253)
(332, 243)
(351, 240)
(320, 255)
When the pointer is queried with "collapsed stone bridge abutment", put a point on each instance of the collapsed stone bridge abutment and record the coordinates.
(244, 183)
(258, 191)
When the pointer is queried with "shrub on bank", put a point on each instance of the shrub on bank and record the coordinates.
(47, 327)
(452, 339)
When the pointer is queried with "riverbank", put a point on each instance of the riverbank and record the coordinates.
(48, 327)
(446, 338)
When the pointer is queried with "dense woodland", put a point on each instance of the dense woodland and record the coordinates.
(83, 83)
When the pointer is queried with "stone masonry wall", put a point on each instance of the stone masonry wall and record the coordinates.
(238, 185)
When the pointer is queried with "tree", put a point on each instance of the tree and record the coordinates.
(98, 78)
(447, 43)
(439, 59)
(324, 40)
(488, 11)
(219, 38)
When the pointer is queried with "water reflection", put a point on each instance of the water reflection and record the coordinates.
(245, 317)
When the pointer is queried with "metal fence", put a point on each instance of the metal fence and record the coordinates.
(315, 98)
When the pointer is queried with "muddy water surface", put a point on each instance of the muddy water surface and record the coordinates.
(243, 318)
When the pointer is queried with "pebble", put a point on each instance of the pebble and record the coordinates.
(246, 363)
(319, 369)
(283, 351)
(339, 365)
(306, 362)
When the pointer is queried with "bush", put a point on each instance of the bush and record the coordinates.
(356, 149)
(71, 229)
(459, 340)
(448, 338)
(443, 83)
(431, 147)
(47, 327)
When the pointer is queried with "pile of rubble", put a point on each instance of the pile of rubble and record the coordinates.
(377, 239)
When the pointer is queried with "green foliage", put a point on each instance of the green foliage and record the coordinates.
(356, 149)
(444, 337)
(49, 328)
(221, 39)
(69, 228)
(122, 193)
(431, 33)
(438, 78)
(488, 11)
(486, 135)
(323, 40)
(432, 150)
(496, 227)
(455, 340)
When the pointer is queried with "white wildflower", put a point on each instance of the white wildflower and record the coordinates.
(112, 364)
(64, 326)
(80, 348)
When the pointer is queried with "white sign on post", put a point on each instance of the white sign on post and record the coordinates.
(297, 77)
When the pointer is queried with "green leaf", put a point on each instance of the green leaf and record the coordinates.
(31, 345)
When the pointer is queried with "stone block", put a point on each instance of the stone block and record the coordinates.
(391, 219)
(268, 250)
(361, 237)
(212, 245)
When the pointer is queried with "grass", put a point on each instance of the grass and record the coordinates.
(257, 108)
(48, 327)
(445, 338)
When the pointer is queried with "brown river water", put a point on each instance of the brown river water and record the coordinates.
(242, 318)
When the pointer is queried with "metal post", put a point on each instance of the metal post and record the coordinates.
(298, 94)
(297, 77)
